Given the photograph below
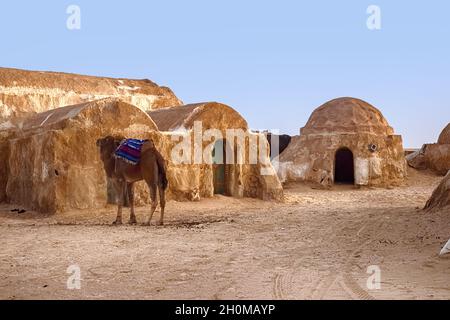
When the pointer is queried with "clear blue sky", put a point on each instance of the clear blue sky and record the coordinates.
(274, 61)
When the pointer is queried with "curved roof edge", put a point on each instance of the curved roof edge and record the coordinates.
(333, 125)
(57, 117)
(183, 117)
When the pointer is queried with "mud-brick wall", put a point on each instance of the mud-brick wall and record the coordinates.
(187, 180)
(315, 155)
(4, 155)
(60, 170)
(80, 180)
(30, 173)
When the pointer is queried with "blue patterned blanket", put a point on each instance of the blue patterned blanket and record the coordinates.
(129, 150)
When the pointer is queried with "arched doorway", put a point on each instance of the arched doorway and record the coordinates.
(218, 161)
(344, 171)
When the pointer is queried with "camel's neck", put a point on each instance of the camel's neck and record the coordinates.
(108, 163)
(109, 167)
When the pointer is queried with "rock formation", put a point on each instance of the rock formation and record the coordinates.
(441, 195)
(435, 156)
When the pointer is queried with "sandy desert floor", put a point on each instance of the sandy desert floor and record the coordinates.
(316, 245)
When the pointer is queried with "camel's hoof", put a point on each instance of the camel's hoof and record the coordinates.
(132, 222)
(146, 224)
(117, 223)
(160, 223)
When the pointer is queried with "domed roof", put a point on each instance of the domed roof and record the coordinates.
(347, 115)
(444, 138)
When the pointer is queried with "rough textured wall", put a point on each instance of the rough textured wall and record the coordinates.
(57, 167)
(4, 154)
(441, 195)
(188, 181)
(25, 92)
(30, 172)
(261, 180)
(311, 158)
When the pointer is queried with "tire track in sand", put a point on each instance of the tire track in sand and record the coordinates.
(282, 283)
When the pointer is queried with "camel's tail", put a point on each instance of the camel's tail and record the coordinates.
(163, 178)
(162, 170)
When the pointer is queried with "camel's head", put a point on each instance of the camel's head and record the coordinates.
(105, 142)
(108, 145)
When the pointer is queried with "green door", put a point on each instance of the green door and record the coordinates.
(218, 156)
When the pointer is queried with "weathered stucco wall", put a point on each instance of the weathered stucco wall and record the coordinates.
(345, 123)
(30, 172)
(311, 158)
(4, 154)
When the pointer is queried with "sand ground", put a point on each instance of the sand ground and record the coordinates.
(316, 245)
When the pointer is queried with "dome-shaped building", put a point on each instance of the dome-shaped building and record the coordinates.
(347, 115)
(346, 140)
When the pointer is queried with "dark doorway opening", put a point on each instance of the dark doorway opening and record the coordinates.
(344, 171)
(218, 160)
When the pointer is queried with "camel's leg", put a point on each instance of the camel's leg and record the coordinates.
(162, 202)
(119, 186)
(153, 191)
(130, 192)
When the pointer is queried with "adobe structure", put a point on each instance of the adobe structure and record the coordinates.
(32, 105)
(346, 140)
(194, 178)
(50, 121)
(50, 162)
(434, 156)
(24, 93)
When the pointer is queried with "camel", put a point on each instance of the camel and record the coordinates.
(123, 175)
